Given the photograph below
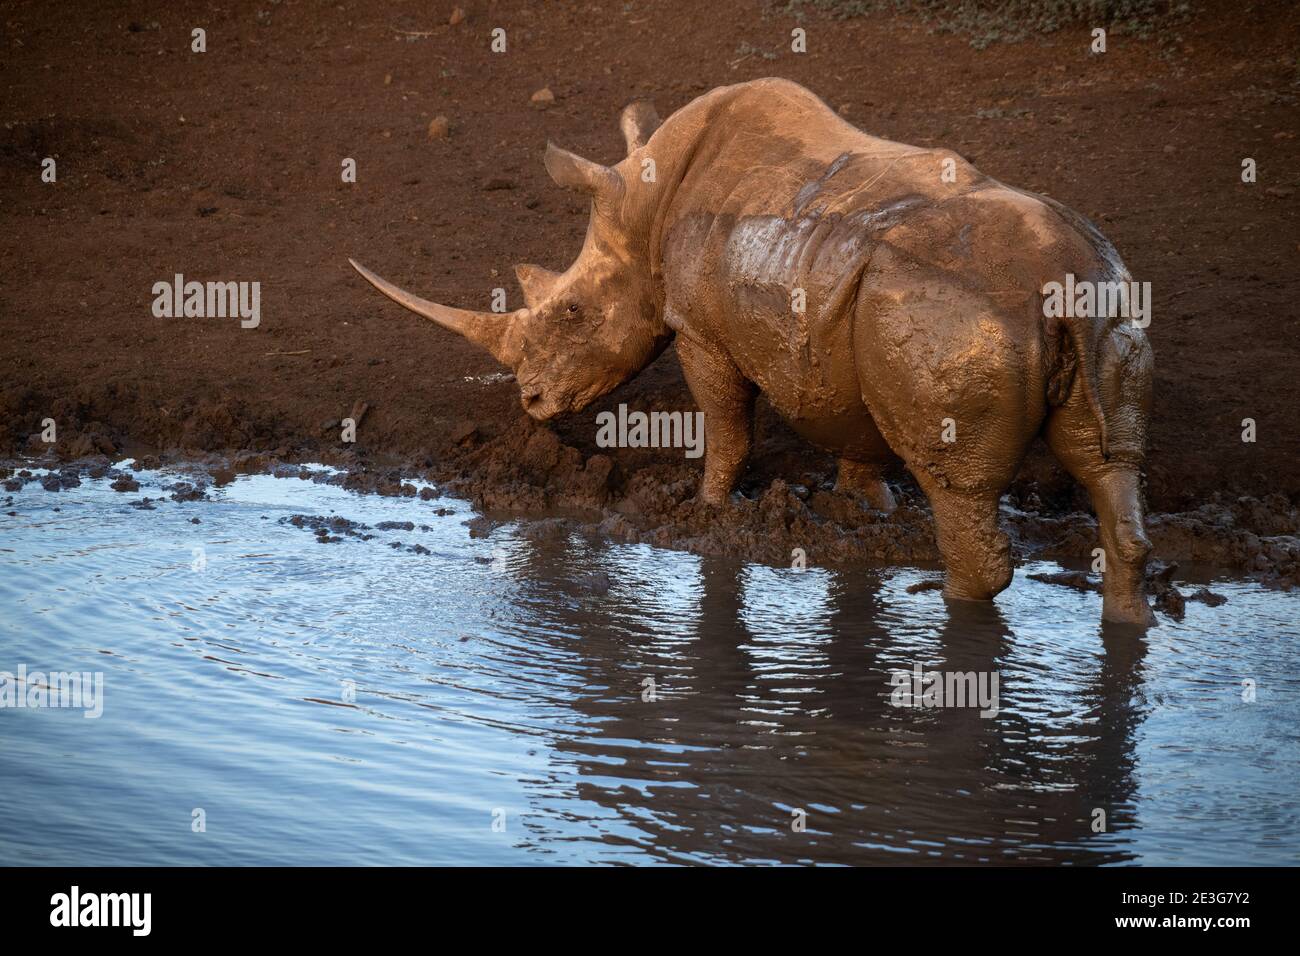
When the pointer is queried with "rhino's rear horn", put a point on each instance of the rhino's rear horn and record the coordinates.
(536, 282)
(638, 123)
(573, 172)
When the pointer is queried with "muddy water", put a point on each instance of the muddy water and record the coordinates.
(484, 699)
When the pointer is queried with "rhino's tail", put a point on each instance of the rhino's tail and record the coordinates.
(1083, 338)
(1083, 333)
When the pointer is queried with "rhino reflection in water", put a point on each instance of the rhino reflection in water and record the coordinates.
(920, 281)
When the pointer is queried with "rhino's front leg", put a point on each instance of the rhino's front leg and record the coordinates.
(727, 400)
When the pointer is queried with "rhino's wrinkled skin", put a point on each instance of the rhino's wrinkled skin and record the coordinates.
(923, 304)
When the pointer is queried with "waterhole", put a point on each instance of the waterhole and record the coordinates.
(295, 673)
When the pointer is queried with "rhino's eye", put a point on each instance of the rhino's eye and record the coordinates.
(573, 307)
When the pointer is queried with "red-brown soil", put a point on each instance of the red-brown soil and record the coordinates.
(226, 166)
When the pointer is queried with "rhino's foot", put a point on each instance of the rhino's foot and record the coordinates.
(876, 494)
(718, 497)
(1132, 614)
(880, 498)
(1124, 602)
(964, 591)
(980, 584)
(976, 552)
(856, 478)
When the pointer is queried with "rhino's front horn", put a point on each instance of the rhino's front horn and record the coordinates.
(489, 330)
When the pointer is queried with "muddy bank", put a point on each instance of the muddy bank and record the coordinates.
(529, 474)
(529, 470)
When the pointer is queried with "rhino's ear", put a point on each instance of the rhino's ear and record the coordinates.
(536, 282)
(573, 172)
(638, 123)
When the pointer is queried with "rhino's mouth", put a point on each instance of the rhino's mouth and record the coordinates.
(537, 405)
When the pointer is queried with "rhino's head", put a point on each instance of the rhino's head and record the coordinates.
(585, 331)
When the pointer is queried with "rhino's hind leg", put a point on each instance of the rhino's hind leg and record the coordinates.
(727, 400)
(976, 552)
(1117, 500)
(865, 479)
(1113, 477)
(1114, 487)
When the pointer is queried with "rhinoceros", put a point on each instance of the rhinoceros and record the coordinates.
(888, 300)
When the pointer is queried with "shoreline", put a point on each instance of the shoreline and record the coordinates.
(529, 477)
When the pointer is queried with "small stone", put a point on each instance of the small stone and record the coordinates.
(457, 16)
(543, 98)
(1206, 596)
(439, 127)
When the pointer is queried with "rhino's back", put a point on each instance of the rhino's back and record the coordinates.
(788, 213)
(794, 194)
